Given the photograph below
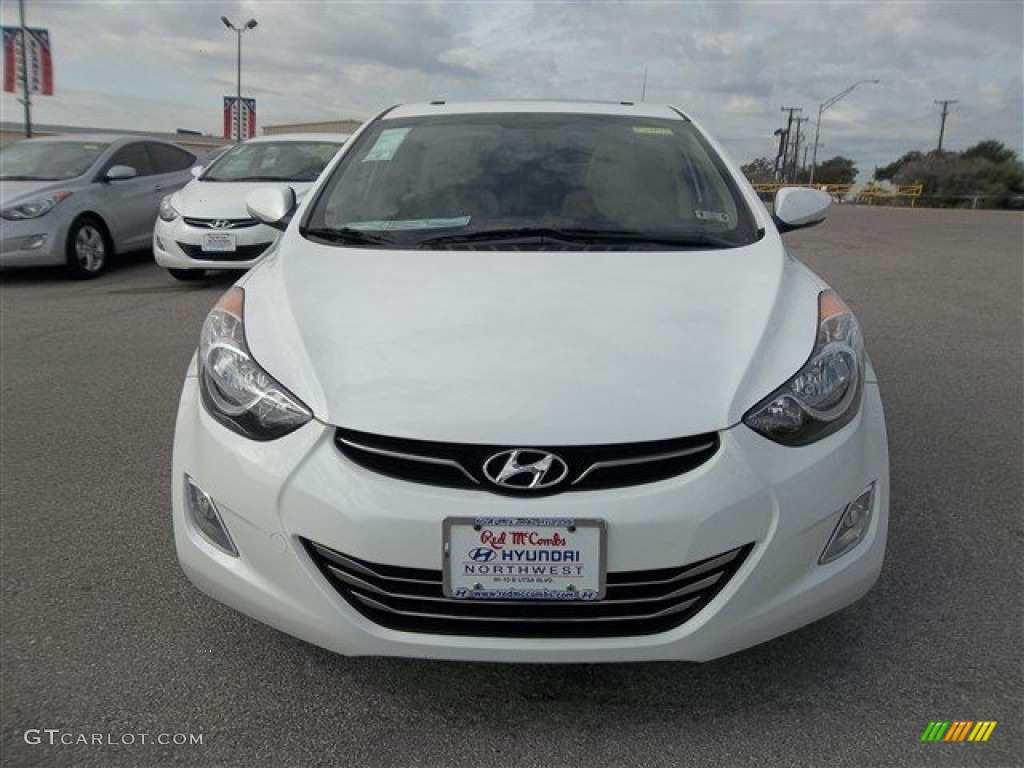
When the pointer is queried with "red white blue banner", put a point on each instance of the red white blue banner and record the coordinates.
(36, 59)
(232, 129)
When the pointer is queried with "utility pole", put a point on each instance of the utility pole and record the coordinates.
(780, 156)
(789, 132)
(942, 125)
(796, 149)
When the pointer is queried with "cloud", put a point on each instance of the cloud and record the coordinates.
(157, 65)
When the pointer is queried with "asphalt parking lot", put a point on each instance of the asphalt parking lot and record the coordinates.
(103, 635)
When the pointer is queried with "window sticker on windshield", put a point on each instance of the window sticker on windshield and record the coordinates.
(652, 130)
(391, 226)
(387, 144)
(712, 216)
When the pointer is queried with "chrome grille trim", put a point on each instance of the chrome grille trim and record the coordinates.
(211, 223)
(494, 619)
(636, 602)
(644, 460)
(587, 467)
(408, 457)
(710, 565)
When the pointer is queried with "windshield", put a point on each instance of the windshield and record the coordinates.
(48, 160)
(520, 180)
(273, 161)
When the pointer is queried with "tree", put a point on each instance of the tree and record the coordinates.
(836, 170)
(994, 151)
(760, 171)
(886, 172)
(988, 174)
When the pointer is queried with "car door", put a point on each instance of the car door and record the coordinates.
(171, 168)
(130, 205)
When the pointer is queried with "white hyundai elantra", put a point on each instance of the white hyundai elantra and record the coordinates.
(532, 382)
(206, 226)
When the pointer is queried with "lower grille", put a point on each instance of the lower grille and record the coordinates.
(241, 253)
(636, 602)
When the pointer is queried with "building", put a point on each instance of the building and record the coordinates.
(331, 126)
(193, 141)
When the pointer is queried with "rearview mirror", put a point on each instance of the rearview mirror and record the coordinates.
(797, 207)
(196, 170)
(272, 206)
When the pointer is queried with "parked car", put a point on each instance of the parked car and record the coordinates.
(532, 382)
(205, 225)
(78, 199)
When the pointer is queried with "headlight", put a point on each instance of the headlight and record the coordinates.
(824, 395)
(33, 209)
(167, 211)
(236, 391)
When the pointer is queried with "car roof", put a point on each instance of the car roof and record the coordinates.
(106, 138)
(623, 108)
(338, 138)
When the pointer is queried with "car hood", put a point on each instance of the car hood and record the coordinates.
(224, 199)
(542, 348)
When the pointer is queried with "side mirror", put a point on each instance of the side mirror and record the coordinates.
(797, 207)
(272, 206)
(196, 170)
(120, 173)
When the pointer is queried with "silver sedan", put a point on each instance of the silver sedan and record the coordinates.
(78, 199)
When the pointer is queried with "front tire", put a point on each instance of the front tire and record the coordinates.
(187, 275)
(88, 248)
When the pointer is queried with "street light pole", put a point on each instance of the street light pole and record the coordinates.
(27, 96)
(250, 24)
(817, 130)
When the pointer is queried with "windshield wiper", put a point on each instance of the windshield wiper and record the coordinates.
(346, 235)
(581, 236)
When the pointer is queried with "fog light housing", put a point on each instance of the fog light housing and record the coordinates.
(160, 244)
(206, 518)
(852, 527)
(34, 242)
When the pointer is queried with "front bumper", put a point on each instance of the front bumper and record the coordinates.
(786, 501)
(33, 242)
(170, 237)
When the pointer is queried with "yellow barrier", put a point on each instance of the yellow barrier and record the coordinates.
(877, 192)
(839, 191)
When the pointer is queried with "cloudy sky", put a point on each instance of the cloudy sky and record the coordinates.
(152, 65)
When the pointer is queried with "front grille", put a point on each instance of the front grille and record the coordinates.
(241, 252)
(636, 602)
(590, 467)
(220, 223)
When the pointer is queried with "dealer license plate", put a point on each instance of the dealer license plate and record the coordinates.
(219, 242)
(515, 558)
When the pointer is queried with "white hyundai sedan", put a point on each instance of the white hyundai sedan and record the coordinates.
(206, 226)
(532, 382)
